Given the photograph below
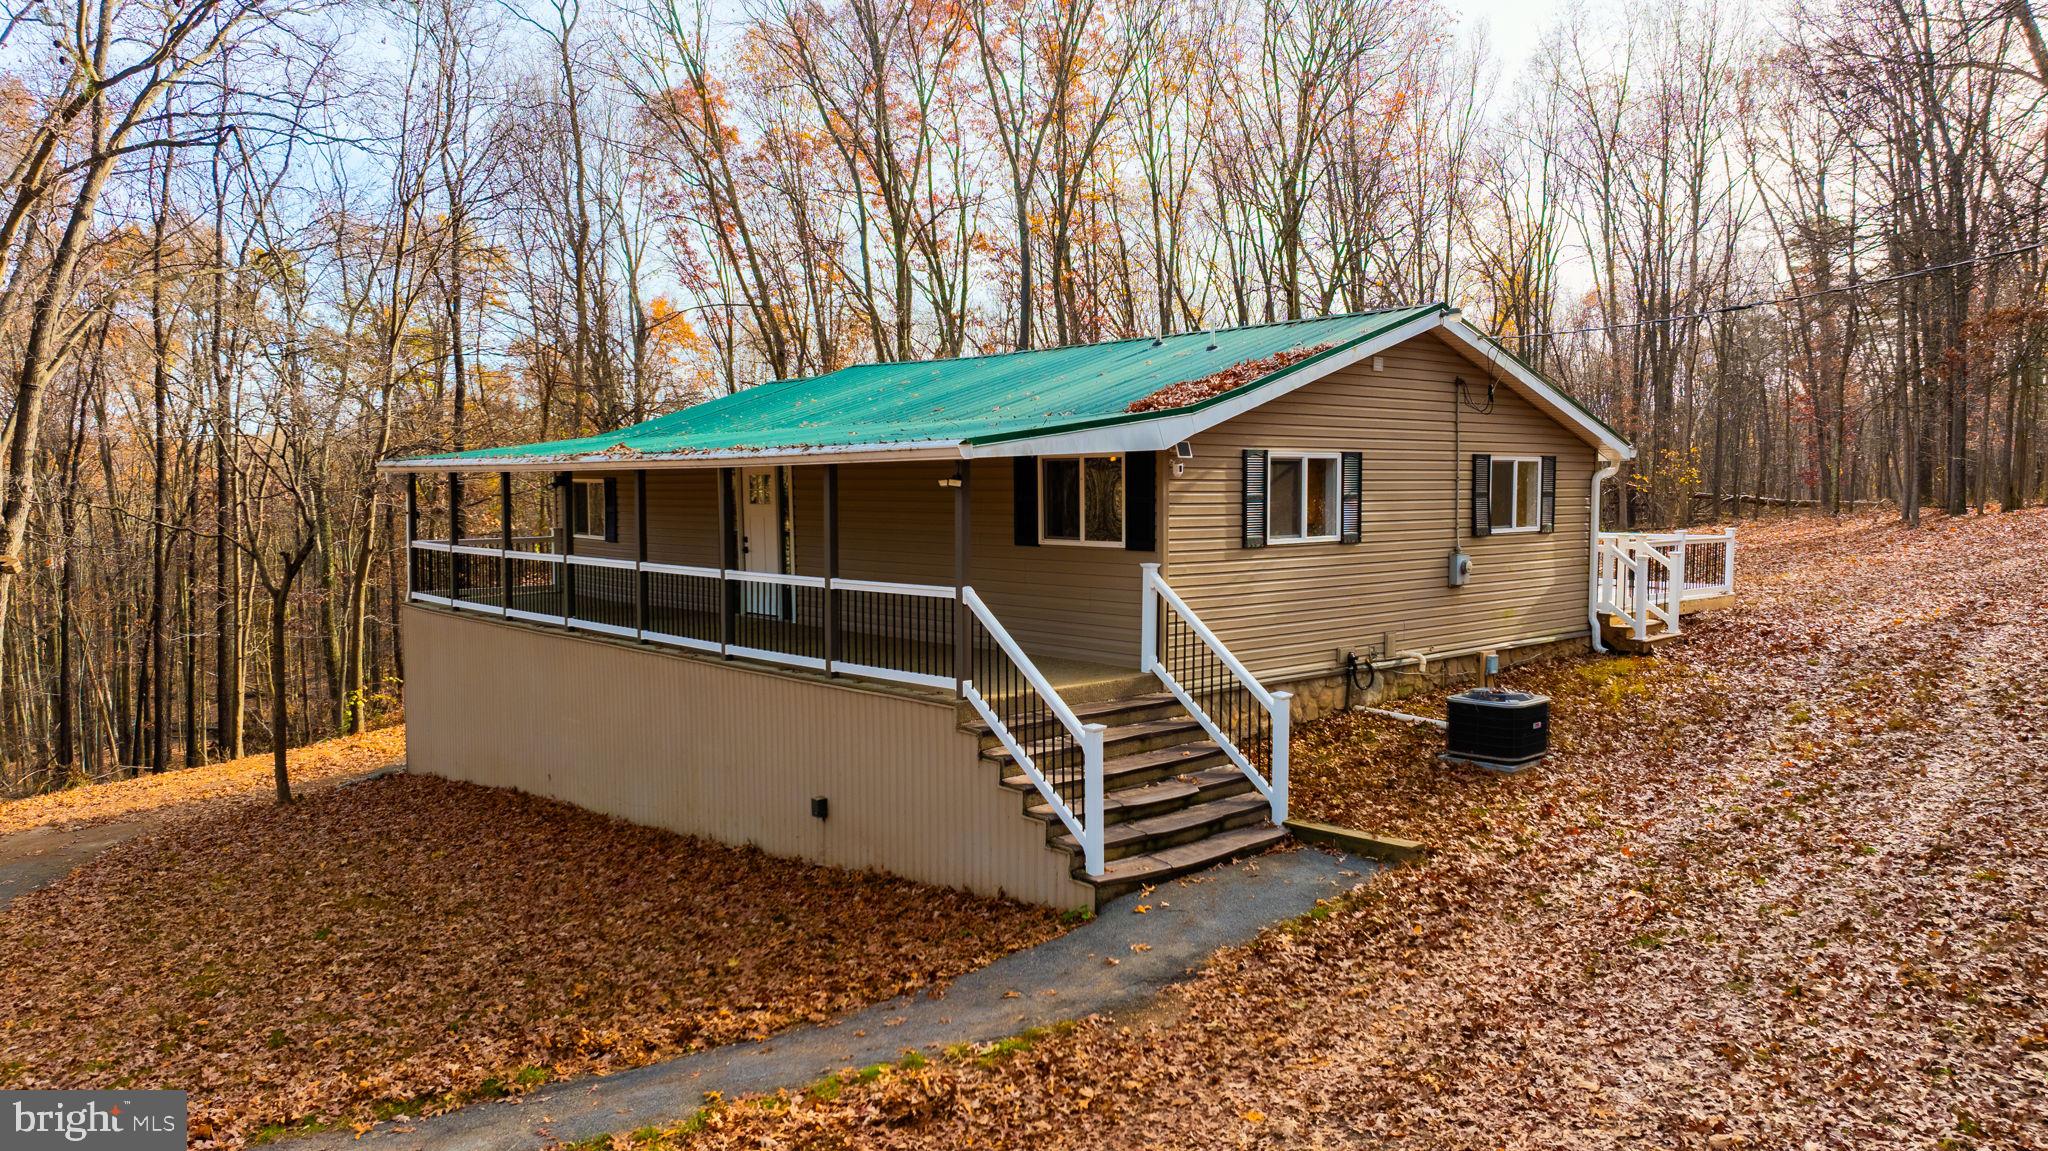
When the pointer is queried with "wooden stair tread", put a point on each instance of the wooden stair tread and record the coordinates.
(1125, 733)
(1091, 712)
(1184, 819)
(1154, 866)
(1135, 764)
(1173, 789)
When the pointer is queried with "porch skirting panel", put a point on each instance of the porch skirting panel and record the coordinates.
(724, 751)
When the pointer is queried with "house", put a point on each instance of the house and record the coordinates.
(1035, 623)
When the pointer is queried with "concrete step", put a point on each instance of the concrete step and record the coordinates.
(1155, 833)
(1123, 740)
(1163, 795)
(1153, 867)
(1129, 771)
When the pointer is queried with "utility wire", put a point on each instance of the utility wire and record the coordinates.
(1730, 309)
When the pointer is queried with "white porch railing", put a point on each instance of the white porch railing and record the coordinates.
(1059, 754)
(890, 631)
(1223, 696)
(1646, 577)
(1708, 557)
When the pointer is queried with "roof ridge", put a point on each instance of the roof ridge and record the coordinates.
(1108, 343)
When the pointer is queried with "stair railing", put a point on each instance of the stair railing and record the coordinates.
(1059, 754)
(1639, 582)
(1246, 721)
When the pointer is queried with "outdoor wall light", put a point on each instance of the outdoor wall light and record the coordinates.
(819, 806)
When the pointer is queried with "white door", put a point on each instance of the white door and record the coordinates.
(760, 538)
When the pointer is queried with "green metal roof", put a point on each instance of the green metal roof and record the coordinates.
(972, 400)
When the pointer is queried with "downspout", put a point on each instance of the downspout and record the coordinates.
(1593, 558)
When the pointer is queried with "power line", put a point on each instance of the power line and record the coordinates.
(1730, 309)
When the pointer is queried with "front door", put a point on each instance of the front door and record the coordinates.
(761, 537)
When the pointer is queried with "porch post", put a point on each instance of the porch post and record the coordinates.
(963, 640)
(565, 489)
(454, 538)
(412, 525)
(831, 567)
(504, 542)
(640, 552)
(728, 559)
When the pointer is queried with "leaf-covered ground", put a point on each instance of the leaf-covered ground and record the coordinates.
(206, 787)
(411, 942)
(1781, 887)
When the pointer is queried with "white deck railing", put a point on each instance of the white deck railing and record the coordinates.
(777, 618)
(1645, 578)
(1216, 689)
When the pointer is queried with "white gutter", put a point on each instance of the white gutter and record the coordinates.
(657, 461)
(1593, 557)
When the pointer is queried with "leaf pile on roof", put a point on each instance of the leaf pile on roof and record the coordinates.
(1187, 392)
(410, 943)
(1778, 887)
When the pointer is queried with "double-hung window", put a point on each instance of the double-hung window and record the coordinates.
(1302, 497)
(1081, 500)
(586, 510)
(1515, 494)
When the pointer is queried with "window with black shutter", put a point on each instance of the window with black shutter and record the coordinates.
(1141, 501)
(1482, 495)
(1351, 514)
(1081, 500)
(1254, 498)
(593, 508)
(1509, 494)
(1549, 493)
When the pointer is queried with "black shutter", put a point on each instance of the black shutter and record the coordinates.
(1254, 498)
(1024, 501)
(579, 511)
(1482, 495)
(1549, 493)
(611, 510)
(1350, 513)
(1141, 501)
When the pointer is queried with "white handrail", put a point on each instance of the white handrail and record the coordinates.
(603, 562)
(1626, 582)
(927, 590)
(1087, 826)
(1194, 622)
(1279, 705)
(679, 570)
(783, 579)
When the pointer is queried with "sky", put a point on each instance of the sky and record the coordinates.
(1513, 27)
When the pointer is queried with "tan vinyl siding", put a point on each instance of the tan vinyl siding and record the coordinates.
(1286, 609)
(727, 752)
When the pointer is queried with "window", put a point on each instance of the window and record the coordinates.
(586, 510)
(1081, 500)
(1302, 498)
(1515, 494)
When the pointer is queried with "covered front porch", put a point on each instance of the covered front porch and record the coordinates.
(938, 582)
(876, 575)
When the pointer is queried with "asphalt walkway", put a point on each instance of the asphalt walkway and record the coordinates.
(1070, 977)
